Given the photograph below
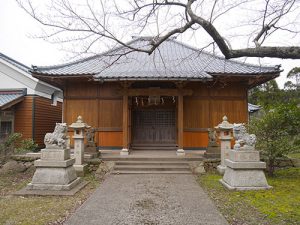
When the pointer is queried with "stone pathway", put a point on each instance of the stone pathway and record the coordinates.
(148, 199)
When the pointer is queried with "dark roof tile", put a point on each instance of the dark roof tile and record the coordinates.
(171, 60)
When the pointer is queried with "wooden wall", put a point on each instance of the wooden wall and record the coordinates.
(23, 117)
(45, 118)
(100, 106)
(206, 108)
(35, 116)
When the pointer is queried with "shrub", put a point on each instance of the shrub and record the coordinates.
(7, 146)
(14, 143)
(277, 133)
(26, 145)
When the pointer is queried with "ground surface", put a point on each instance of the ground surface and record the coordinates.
(148, 199)
(280, 205)
(294, 155)
(144, 198)
(35, 210)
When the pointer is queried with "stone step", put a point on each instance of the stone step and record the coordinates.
(158, 158)
(159, 163)
(153, 145)
(153, 148)
(149, 172)
(152, 167)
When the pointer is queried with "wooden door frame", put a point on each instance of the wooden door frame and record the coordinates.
(155, 110)
(179, 93)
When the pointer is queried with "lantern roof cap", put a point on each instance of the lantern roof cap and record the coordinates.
(225, 125)
(79, 124)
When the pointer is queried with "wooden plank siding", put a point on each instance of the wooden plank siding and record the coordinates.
(45, 118)
(206, 107)
(195, 139)
(111, 138)
(23, 117)
(101, 106)
(35, 116)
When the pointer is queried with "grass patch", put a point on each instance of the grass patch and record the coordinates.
(280, 205)
(294, 155)
(37, 210)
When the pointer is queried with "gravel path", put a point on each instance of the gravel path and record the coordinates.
(148, 199)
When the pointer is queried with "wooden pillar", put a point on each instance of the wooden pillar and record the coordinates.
(180, 151)
(125, 150)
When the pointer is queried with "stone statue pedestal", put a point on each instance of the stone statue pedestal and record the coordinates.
(244, 171)
(213, 151)
(54, 171)
(91, 149)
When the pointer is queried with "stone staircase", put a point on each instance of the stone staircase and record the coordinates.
(160, 147)
(152, 165)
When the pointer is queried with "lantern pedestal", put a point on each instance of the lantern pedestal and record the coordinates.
(81, 170)
(225, 138)
(79, 165)
(79, 126)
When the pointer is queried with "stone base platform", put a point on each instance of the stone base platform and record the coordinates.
(27, 192)
(54, 187)
(245, 175)
(243, 188)
(54, 171)
(56, 175)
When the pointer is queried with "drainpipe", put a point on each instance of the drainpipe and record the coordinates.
(33, 118)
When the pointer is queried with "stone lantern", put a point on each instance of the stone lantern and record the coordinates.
(79, 128)
(225, 138)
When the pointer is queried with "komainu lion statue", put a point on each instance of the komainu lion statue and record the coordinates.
(58, 137)
(242, 138)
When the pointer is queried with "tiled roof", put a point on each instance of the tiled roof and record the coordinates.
(171, 60)
(14, 62)
(8, 96)
(253, 108)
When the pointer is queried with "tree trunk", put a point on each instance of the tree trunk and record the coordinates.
(271, 167)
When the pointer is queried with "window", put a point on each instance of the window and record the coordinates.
(6, 123)
(6, 129)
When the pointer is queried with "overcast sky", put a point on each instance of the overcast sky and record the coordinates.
(16, 41)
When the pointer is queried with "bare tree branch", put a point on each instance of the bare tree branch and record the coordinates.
(98, 21)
